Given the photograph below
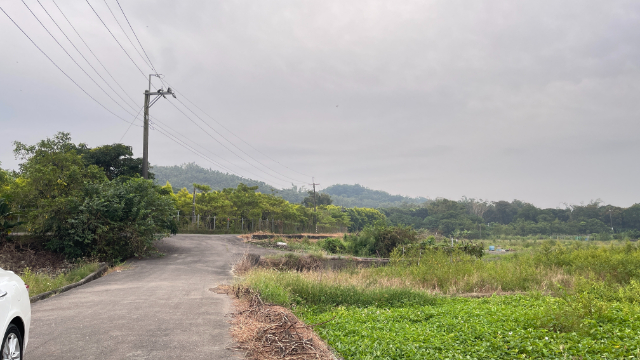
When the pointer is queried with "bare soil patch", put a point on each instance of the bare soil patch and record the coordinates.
(16, 256)
(312, 237)
(265, 331)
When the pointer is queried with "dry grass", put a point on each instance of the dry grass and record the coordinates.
(266, 332)
(368, 278)
(282, 263)
(298, 238)
(118, 268)
(245, 264)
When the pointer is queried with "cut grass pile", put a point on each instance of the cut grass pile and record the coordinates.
(40, 283)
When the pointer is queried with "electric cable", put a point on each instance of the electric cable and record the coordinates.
(114, 38)
(71, 57)
(191, 149)
(59, 68)
(85, 59)
(159, 128)
(139, 43)
(125, 34)
(232, 133)
(207, 150)
(92, 53)
(129, 127)
(154, 69)
(234, 145)
(218, 141)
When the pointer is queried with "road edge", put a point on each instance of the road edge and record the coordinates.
(96, 274)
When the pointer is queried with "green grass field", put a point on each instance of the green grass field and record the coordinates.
(506, 327)
(576, 302)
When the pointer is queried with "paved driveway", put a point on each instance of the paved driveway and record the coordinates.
(159, 309)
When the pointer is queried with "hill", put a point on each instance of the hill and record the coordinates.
(360, 196)
(185, 175)
(342, 195)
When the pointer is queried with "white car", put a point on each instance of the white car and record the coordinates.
(15, 316)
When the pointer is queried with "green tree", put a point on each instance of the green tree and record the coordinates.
(112, 220)
(116, 160)
(6, 219)
(321, 199)
(78, 212)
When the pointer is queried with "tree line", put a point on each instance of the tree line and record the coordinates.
(473, 218)
(92, 202)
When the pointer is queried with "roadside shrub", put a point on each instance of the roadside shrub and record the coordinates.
(112, 221)
(380, 239)
(332, 245)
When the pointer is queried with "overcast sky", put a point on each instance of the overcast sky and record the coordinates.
(499, 100)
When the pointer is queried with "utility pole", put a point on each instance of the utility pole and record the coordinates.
(193, 213)
(315, 215)
(147, 104)
(611, 220)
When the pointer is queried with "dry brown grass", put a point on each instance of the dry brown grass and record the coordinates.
(266, 332)
(299, 237)
(119, 268)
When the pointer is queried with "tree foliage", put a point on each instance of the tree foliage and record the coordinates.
(63, 190)
(115, 160)
(471, 218)
(320, 199)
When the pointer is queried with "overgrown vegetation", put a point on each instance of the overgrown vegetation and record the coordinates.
(40, 282)
(86, 202)
(574, 300)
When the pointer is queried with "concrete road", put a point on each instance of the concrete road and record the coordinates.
(160, 308)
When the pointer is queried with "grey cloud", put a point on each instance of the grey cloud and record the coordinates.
(495, 99)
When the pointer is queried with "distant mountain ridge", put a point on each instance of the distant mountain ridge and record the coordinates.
(183, 176)
(360, 196)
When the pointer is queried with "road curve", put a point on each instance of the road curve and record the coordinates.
(160, 308)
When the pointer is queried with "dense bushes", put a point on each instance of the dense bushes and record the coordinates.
(70, 202)
(332, 245)
(112, 220)
(379, 240)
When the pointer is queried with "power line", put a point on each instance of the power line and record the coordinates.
(191, 149)
(153, 68)
(92, 53)
(207, 150)
(125, 34)
(134, 34)
(129, 127)
(218, 141)
(231, 132)
(85, 59)
(159, 128)
(234, 145)
(62, 71)
(136, 116)
(114, 38)
(72, 59)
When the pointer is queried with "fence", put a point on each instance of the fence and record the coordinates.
(234, 225)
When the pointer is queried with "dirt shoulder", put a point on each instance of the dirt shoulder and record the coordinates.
(265, 332)
(16, 255)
